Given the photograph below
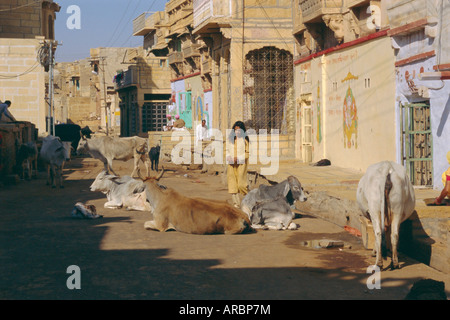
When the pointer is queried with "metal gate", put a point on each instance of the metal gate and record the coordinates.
(186, 108)
(134, 119)
(268, 75)
(154, 116)
(417, 142)
(307, 135)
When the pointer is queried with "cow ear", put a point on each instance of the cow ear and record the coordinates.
(116, 180)
(139, 189)
(291, 181)
(287, 188)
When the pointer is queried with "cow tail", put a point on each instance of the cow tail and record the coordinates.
(386, 213)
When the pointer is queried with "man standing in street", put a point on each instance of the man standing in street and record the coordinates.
(201, 132)
(5, 112)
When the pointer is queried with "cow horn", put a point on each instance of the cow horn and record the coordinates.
(140, 175)
(160, 175)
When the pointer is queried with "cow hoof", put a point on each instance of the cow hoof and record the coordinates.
(394, 266)
(293, 226)
(150, 225)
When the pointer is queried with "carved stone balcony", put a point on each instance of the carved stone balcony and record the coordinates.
(175, 57)
(211, 14)
(313, 10)
(126, 79)
(192, 51)
(206, 66)
(147, 22)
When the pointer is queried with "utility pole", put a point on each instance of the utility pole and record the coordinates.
(49, 45)
(104, 97)
(51, 113)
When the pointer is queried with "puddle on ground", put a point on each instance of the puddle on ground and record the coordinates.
(338, 250)
(325, 244)
(342, 240)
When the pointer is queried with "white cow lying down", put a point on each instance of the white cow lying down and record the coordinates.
(386, 197)
(121, 192)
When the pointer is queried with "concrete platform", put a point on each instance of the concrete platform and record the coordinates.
(332, 196)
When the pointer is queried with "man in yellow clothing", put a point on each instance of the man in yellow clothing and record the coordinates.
(237, 160)
(446, 182)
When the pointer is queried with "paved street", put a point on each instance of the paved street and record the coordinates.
(119, 259)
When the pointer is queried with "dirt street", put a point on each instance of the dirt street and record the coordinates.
(119, 259)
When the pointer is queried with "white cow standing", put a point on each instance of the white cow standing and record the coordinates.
(55, 153)
(121, 192)
(386, 197)
(107, 149)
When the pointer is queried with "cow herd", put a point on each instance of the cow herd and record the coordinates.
(385, 194)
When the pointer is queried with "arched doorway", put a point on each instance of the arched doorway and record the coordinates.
(268, 76)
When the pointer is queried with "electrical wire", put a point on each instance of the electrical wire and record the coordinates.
(109, 43)
(131, 35)
(31, 69)
(43, 59)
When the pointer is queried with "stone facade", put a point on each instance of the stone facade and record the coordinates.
(420, 37)
(348, 61)
(28, 19)
(80, 89)
(23, 28)
(209, 43)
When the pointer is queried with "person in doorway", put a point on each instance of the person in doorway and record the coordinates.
(446, 182)
(237, 160)
(5, 112)
(179, 124)
(169, 124)
(201, 132)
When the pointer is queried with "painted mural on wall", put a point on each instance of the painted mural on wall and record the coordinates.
(176, 101)
(410, 87)
(181, 102)
(350, 116)
(203, 108)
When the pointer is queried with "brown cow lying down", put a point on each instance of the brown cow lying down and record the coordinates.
(192, 215)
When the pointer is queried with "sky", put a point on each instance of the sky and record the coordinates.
(100, 23)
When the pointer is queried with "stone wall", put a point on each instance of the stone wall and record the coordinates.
(25, 19)
(20, 23)
(169, 140)
(22, 80)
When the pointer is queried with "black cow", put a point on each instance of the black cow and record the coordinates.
(27, 159)
(154, 156)
(72, 132)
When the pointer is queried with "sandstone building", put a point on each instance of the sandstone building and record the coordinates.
(353, 81)
(82, 87)
(24, 25)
